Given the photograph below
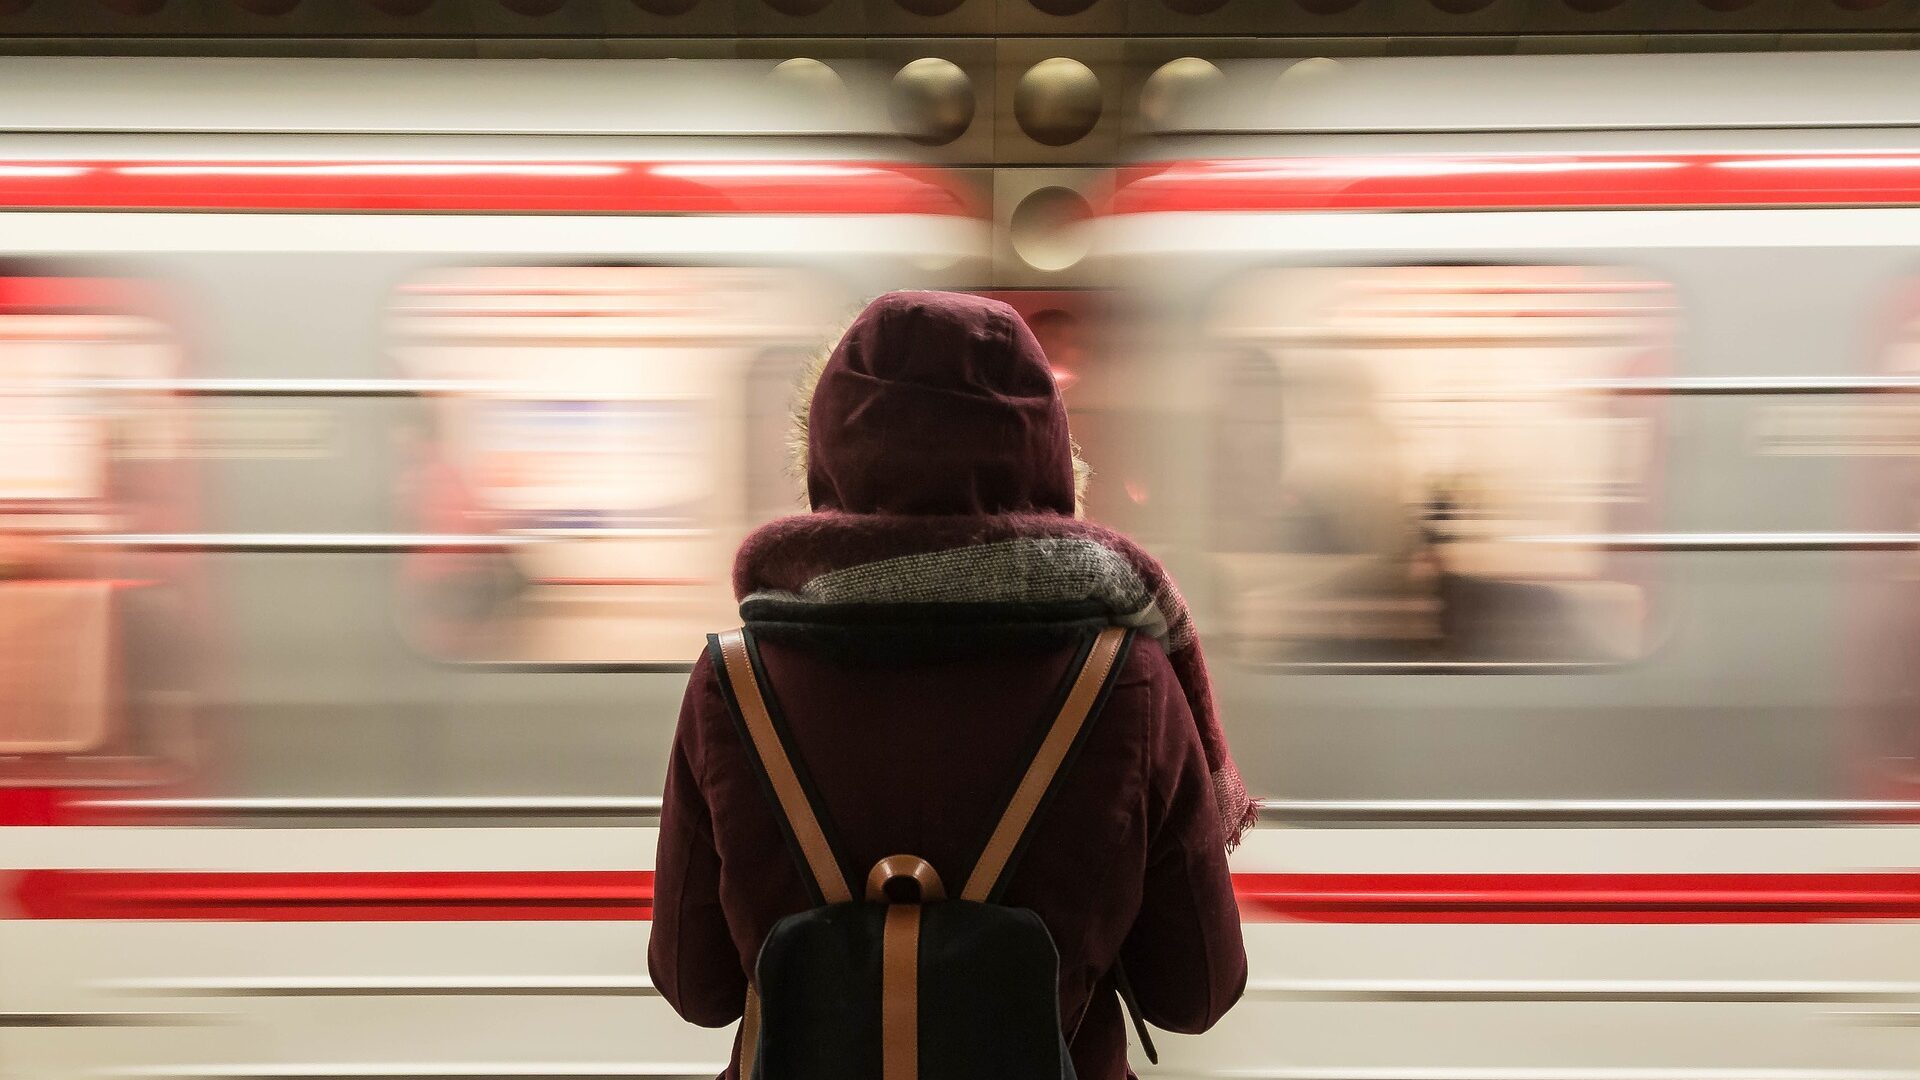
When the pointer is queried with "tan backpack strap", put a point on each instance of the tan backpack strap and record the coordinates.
(900, 993)
(1088, 686)
(742, 676)
(749, 1035)
(740, 679)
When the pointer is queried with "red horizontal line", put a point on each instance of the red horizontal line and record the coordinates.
(1520, 181)
(52, 295)
(626, 895)
(31, 806)
(603, 187)
(111, 583)
(336, 897)
(1578, 898)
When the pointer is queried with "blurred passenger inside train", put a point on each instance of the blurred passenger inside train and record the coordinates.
(456, 596)
(1388, 434)
(917, 632)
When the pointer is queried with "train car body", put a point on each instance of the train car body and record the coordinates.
(479, 372)
(1530, 435)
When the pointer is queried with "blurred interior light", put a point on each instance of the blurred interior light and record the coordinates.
(43, 170)
(1339, 168)
(1887, 161)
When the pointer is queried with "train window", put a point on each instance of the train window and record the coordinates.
(605, 424)
(97, 638)
(1407, 456)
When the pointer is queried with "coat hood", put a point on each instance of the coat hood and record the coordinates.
(938, 403)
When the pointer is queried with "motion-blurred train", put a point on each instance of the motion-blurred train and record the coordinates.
(1534, 437)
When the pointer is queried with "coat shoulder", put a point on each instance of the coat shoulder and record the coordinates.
(1147, 665)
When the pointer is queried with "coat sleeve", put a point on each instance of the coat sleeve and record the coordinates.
(691, 956)
(1184, 954)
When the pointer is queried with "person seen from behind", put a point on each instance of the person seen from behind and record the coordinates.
(943, 664)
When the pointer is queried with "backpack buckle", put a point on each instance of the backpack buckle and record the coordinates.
(904, 879)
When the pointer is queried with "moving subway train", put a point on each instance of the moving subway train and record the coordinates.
(1532, 436)
(1536, 435)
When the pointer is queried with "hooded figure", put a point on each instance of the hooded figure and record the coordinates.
(915, 628)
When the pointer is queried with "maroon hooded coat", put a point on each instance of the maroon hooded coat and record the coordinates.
(913, 723)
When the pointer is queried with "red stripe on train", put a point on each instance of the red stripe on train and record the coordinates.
(336, 897)
(31, 805)
(626, 895)
(1578, 898)
(1521, 181)
(586, 187)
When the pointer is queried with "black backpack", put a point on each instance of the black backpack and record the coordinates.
(903, 983)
